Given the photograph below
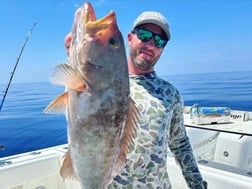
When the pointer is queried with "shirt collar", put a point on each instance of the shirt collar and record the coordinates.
(151, 75)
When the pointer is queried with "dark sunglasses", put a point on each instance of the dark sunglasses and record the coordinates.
(146, 35)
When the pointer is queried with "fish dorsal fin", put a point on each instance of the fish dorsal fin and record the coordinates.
(127, 139)
(66, 75)
(58, 105)
(67, 170)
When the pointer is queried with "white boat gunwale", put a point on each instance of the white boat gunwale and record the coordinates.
(40, 168)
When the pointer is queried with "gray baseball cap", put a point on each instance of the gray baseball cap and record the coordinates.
(150, 17)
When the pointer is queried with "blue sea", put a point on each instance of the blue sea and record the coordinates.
(24, 127)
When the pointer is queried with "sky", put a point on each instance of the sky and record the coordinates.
(206, 36)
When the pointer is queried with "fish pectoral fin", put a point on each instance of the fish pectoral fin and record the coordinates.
(66, 170)
(128, 136)
(66, 75)
(58, 105)
(131, 123)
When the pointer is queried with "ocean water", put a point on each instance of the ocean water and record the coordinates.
(24, 127)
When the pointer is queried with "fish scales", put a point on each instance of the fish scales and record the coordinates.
(100, 114)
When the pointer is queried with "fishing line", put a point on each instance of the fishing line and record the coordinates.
(14, 69)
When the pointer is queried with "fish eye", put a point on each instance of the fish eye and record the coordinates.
(113, 43)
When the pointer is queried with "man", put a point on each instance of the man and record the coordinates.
(161, 110)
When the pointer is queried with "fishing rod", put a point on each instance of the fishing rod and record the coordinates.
(12, 73)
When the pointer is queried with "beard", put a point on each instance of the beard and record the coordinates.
(142, 63)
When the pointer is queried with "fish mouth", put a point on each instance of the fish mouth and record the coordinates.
(85, 22)
(91, 24)
(87, 28)
(91, 38)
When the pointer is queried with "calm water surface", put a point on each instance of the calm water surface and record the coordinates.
(24, 127)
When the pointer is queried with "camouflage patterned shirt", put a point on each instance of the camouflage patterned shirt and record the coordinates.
(161, 127)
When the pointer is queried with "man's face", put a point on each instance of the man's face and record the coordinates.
(144, 55)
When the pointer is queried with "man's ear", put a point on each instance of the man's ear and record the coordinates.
(67, 42)
(129, 37)
(68, 39)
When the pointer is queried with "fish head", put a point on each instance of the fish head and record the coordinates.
(97, 48)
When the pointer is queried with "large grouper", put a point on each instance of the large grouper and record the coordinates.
(101, 116)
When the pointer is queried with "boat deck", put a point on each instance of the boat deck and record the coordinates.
(240, 123)
(40, 169)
